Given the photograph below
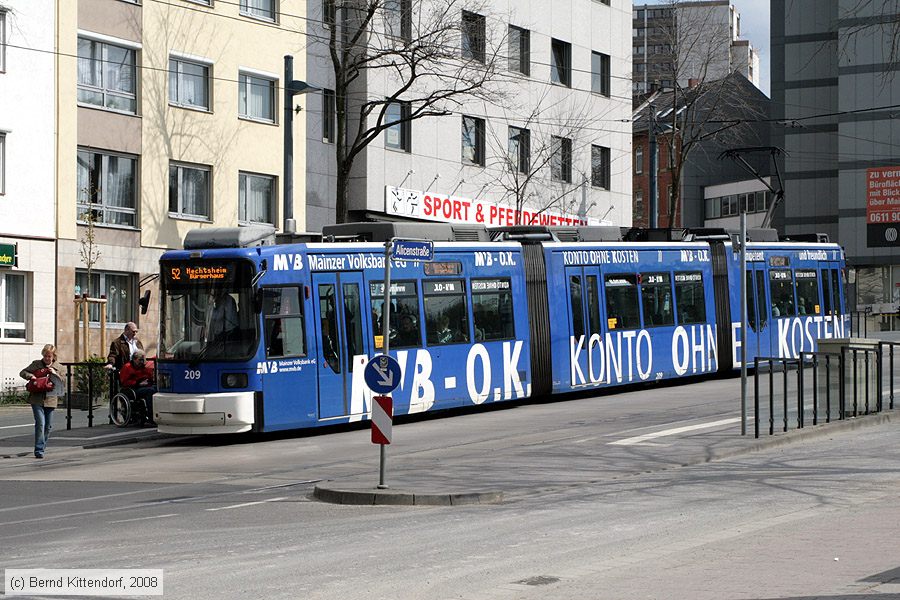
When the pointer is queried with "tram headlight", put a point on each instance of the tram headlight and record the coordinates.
(234, 380)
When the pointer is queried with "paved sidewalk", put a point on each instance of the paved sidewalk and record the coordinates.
(17, 431)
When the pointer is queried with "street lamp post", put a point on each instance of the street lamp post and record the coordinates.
(292, 88)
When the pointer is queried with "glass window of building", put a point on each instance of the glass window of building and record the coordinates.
(561, 62)
(600, 75)
(561, 159)
(519, 150)
(600, 166)
(256, 198)
(106, 76)
(473, 36)
(12, 306)
(258, 9)
(106, 188)
(256, 98)
(398, 134)
(519, 50)
(120, 292)
(473, 140)
(189, 191)
(188, 84)
(398, 18)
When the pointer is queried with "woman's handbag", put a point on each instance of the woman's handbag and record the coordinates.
(41, 384)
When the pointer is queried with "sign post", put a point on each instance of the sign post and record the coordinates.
(382, 373)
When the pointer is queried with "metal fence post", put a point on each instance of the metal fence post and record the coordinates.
(68, 397)
(842, 392)
(784, 401)
(815, 384)
(756, 397)
(800, 406)
(855, 384)
(771, 399)
(866, 354)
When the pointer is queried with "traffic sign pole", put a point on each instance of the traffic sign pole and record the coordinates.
(385, 342)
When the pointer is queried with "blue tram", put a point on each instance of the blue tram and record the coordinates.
(275, 337)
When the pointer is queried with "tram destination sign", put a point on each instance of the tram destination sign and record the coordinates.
(414, 250)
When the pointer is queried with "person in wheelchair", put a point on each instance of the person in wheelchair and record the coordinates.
(137, 376)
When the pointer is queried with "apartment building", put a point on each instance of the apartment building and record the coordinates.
(560, 123)
(169, 118)
(675, 42)
(834, 86)
(27, 195)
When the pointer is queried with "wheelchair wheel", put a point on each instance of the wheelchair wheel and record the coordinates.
(120, 410)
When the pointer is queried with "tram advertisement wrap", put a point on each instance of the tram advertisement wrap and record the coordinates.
(882, 206)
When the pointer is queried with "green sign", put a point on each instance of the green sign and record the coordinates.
(8, 255)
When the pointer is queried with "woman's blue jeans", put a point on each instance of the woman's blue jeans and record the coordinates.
(42, 426)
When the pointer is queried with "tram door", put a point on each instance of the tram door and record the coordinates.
(584, 322)
(831, 310)
(757, 338)
(341, 344)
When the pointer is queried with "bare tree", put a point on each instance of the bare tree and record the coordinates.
(430, 56)
(536, 172)
(879, 19)
(704, 101)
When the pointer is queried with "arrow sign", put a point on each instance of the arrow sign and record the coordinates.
(382, 374)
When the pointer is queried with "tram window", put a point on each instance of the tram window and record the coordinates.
(781, 284)
(835, 291)
(807, 293)
(328, 318)
(492, 310)
(284, 328)
(761, 300)
(352, 322)
(751, 302)
(577, 306)
(656, 294)
(689, 298)
(622, 301)
(404, 316)
(593, 305)
(826, 293)
(446, 313)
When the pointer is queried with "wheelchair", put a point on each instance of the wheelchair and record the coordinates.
(125, 409)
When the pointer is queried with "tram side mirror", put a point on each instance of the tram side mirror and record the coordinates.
(144, 302)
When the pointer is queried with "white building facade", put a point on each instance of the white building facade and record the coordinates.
(27, 184)
(554, 147)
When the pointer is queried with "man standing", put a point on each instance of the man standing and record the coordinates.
(123, 347)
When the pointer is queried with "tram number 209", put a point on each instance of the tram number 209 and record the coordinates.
(192, 374)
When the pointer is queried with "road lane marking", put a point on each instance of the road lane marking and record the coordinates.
(246, 504)
(145, 518)
(14, 426)
(105, 435)
(667, 432)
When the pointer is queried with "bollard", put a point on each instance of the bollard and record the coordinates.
(68, 397)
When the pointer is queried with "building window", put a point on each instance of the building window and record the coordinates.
(188, 84)
(106, 76)
(120, 292)
(473, 140)
(561, 159)
(638, 160)
(189, 191)
(258, 9)
(328, 13)
(106, 188)
(561, 63)
(2, 163)
(328, 116)
(519, 50)
(398, 134)
(639, 204)
(600, 167)
(256, 98)
(600, 73)
(12, 306)
(256, 198)
(2, 41)
(398, 18)
(519, 150)
(473, 36)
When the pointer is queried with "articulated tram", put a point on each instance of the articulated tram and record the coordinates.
(276, 336)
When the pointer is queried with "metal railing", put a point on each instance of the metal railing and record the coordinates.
(843, 385)
(93, 381)
(859, 322)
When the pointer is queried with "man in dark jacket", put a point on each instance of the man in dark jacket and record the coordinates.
(123, 347)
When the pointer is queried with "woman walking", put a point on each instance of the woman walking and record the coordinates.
(43, 402)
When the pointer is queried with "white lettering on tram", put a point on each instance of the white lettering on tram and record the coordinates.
(421, 396)
(604, 358)
(480, 353)
(284, 262)
(795, 335)
(688, 347)
(512, 383)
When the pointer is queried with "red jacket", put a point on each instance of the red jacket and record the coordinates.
(131, 377)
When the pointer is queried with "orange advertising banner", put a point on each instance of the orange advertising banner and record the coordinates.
(883, 195)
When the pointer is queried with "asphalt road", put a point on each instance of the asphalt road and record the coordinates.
(646, 494)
